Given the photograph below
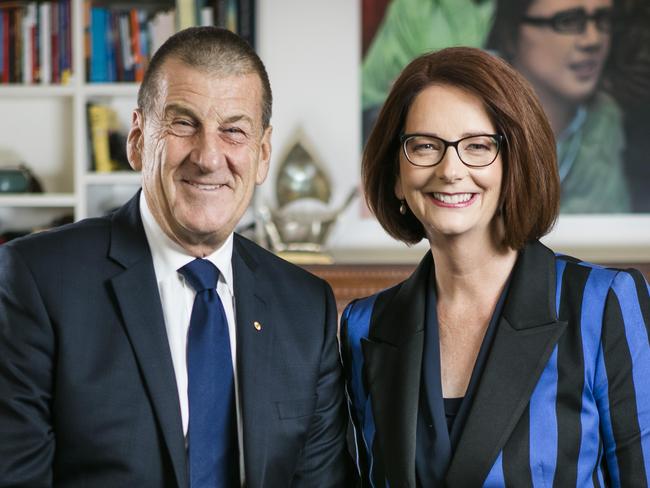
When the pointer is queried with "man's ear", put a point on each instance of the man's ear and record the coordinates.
(264, 157)
(135, 139)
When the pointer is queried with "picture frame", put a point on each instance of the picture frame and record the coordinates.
(597, 221)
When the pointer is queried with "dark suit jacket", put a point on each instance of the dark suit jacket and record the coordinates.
(563, 399)
(87, 389)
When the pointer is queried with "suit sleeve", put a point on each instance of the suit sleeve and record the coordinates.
(623, 381)
(27, 345)
(324, 461)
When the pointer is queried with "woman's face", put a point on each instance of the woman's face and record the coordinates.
(450, 199)
(565, 65)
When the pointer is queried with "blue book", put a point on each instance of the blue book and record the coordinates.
(98, 45)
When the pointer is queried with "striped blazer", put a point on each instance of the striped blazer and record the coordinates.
(564, 396)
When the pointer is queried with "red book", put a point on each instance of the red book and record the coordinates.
(138, 64)
(56, 74)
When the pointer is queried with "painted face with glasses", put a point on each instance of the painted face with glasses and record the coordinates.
(450, 167)
(562, 48)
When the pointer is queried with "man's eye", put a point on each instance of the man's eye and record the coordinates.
(182, 127)
(235, 134)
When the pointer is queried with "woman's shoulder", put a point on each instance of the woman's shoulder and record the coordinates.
(357, 314)
(593, 277)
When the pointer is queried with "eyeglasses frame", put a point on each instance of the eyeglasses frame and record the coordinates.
(553, 20)
(404, 138)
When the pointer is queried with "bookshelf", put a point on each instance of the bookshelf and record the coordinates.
(45, 127)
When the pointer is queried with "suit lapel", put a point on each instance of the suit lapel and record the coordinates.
(393, 358)
(139, 303)
(253, 350)
(526, 336)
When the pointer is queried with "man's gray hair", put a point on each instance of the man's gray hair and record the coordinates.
(215, 50)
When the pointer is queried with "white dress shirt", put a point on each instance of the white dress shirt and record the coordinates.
(177, 299)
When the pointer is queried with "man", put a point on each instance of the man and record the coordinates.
(99, 320)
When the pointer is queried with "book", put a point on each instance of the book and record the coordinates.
(185, 14)
(136, 50)
(54, 42)
(27, 55)
(161, 27)
(246, 21)
(231, 15)
(98, 48)
(98, 123)
(66, 34)
(2, 41)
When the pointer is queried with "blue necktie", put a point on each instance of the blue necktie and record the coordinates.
(212, 429)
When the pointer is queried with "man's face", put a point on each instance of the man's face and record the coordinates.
(202, 150)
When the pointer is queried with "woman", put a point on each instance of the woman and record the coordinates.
(561, 47)
(497, 362)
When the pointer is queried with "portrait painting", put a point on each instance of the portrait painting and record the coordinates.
(587, 60)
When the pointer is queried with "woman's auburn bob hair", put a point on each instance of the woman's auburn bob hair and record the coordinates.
(530, 191)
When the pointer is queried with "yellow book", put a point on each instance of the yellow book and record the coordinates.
(99, 123)
(185, 14)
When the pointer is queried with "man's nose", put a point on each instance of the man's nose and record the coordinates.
(208, 152)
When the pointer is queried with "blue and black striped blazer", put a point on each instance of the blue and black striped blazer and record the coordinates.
(564, 397)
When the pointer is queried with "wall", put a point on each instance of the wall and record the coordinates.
(311, 49)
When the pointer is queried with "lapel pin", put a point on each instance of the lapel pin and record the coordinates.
(257, 326)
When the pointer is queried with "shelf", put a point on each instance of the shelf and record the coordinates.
(43, 200)
(110, 89)
(115, 178)
(19, 90)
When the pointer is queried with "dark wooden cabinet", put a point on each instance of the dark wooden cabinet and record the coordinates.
(350, 281)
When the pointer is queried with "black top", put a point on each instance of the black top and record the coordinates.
(440, 421)
(452, 406)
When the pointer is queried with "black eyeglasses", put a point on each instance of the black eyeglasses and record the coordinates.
(475, 151)
(574, 21)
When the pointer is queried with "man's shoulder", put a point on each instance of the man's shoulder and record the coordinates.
(272, 263)
(76, 239)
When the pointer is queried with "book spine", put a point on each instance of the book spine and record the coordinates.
(87, 39)
(54, 30)
(231, 15)
(98, 54)
(36, 46)
(68, 41)
(98, 121)
(246, 21)
(185, 14)
(2, 40)
(138, 65)
(45, 51)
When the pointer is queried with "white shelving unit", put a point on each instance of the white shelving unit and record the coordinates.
(45, 126)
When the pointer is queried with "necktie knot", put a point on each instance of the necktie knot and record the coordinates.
(201, 274)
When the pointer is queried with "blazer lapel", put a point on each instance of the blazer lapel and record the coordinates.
(253, 350)
(139, 303)
(526, 336)
(393, 357)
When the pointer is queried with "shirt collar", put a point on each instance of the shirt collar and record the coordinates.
(168, 256)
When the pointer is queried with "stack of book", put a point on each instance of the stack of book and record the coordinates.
(119, 42)
(36, 42)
